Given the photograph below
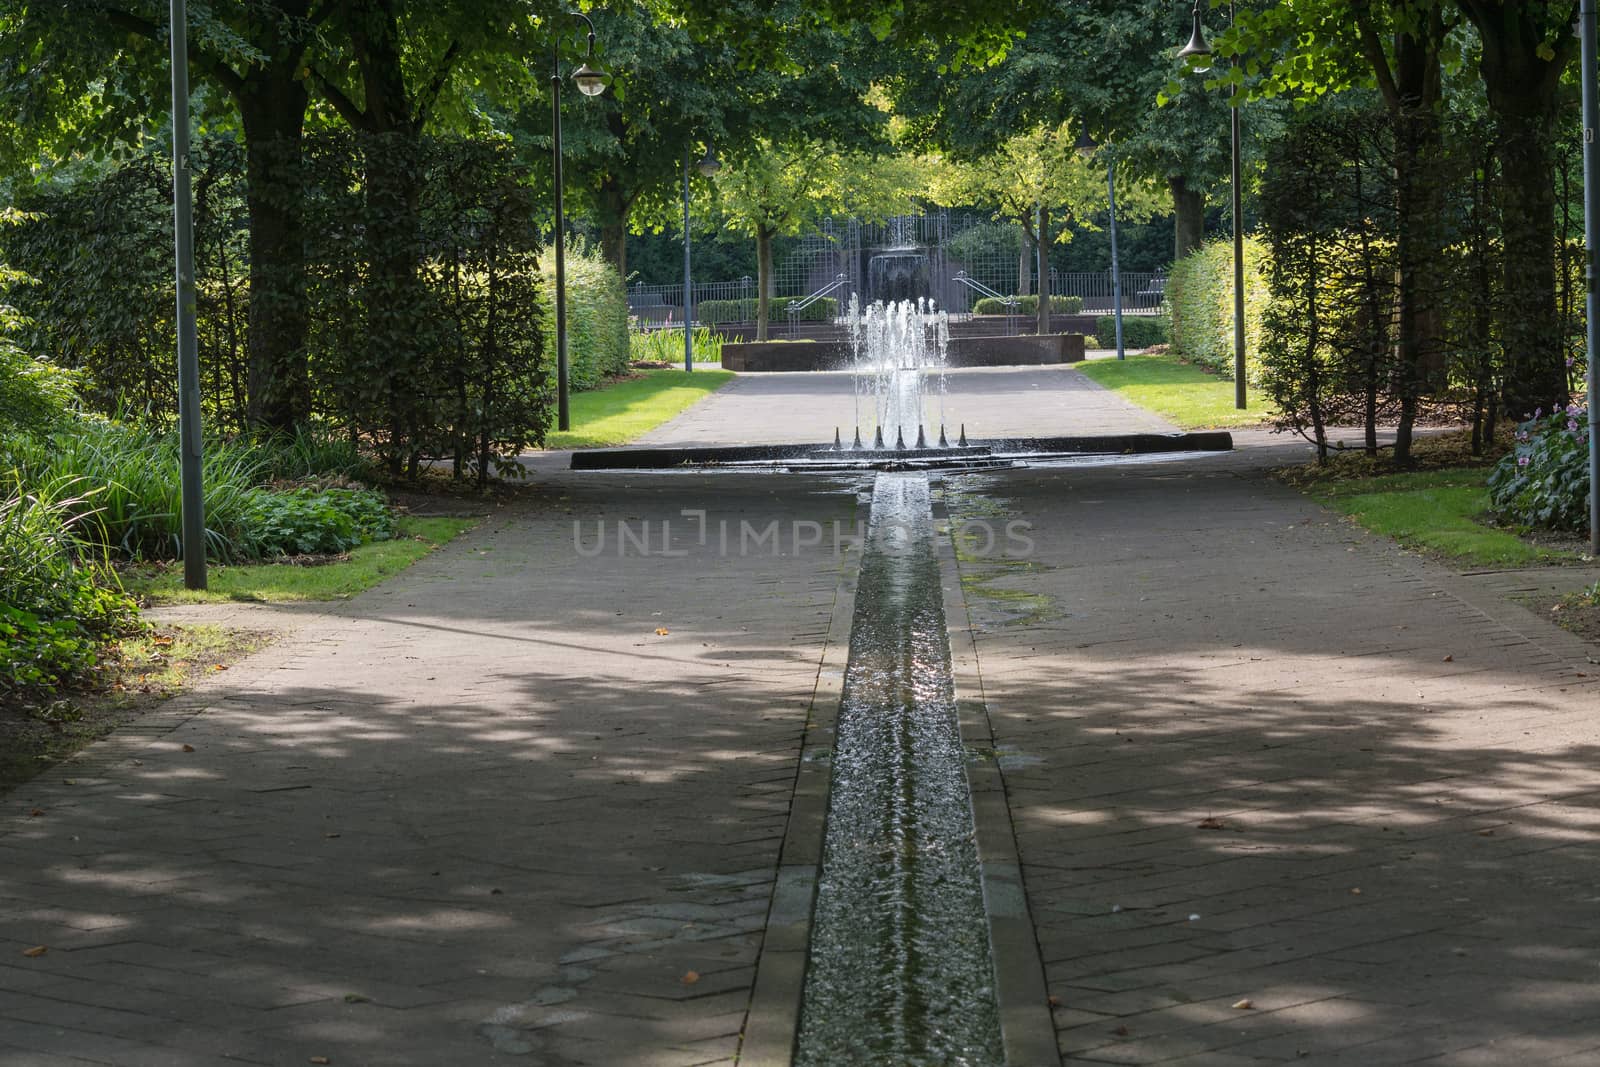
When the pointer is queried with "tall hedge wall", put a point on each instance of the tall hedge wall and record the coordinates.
(1200, 294)
(597, 316)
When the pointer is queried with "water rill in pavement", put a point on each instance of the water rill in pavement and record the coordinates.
(900, 968)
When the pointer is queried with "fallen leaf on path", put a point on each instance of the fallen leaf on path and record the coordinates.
(1355, 892)
(1121, 1031)
(35, 813)
(1449, 659)
(36, 951)
(319, 1059)
(662, 631)
(161, 641)
(1485, 833)
(1243, 1004)
(1053, 1000)
(1211, 822)
(188, 748)
(691, 977)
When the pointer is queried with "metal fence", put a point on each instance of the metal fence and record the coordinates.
(953, 252)
(1143, 292)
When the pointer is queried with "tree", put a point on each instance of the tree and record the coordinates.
(1032, 176)
(784, 188)
(89, 74)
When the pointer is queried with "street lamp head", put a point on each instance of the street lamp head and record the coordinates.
(1086, 145)
(709, 163)
(591, 80)
(1198, 46)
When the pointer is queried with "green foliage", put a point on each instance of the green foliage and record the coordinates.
(1200, 295)
(127, 493)
(1544, 481)
(305, 521)
(59, 602)
(823, 309)
(1138, 331)
(1028, 305)
(597, 316)
(620, 411)
(1181, 392)
(666, 346)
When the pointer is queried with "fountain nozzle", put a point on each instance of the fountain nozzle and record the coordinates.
(922, 438)
(857, 445)
(944, 442)
(900, 439)
(963, 442)
(877, 439)
(838, 445)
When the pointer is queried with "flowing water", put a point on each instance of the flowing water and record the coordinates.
(900, 969)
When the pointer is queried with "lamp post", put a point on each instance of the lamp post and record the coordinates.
(591, 82)
(189, 437)
(709, 165)
(1591, 233)
(1199, 47)
(1086, 148)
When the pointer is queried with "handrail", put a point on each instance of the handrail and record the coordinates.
(1010, 302)
(798, 305)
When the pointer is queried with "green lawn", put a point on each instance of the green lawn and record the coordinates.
(615, 414)
(1178, 391)
(1437, 511)
(366, 567)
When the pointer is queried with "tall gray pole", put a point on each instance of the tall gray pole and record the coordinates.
(1116, 270)
(1591, 234)
(688, 281)
(190, 445)
(1238, 259)
(563, 411)
(1043, 288)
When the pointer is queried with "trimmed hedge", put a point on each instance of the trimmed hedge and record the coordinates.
(712, 312)
(1200, 294)
(1029, 305)
(597, 317)
(1138, 331)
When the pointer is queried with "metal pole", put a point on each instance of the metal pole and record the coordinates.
(190, 444)
(563, 412)
(1238, 258)
(688, 279)
(1043, 288)
(1116, 270)
(1591, 234)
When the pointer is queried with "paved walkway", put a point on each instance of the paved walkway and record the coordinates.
(486, 813)
(990, 401)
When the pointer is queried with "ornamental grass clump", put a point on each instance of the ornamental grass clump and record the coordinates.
(1544, 480)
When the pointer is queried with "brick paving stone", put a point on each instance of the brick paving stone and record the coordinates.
(480, 814)
(1404, 846)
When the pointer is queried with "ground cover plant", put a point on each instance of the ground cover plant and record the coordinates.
(1544, 480)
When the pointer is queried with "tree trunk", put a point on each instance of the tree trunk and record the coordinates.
(272, 107)
(1421, 356)
(1188, 216)
(764, 280)
(1025, 265)
(614, 211)
(1535, 375)
(1044, 273)
(1523, 88)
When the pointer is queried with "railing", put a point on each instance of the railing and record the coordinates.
(655, 307)
(963, 278)
(797, 306)
(1143, 292)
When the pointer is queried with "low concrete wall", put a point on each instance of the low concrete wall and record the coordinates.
(1027, 350)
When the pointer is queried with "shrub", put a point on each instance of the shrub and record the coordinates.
(597, 316)
(666, 346)
(713, 312)
(1200, 295)
(1138, 331)
(303, 521)
(58, 606)
(1544, 480)
(1028, 305)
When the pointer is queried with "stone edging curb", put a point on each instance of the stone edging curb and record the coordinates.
(772, 1024)
(1027, 1031)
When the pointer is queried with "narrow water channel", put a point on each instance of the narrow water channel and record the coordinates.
(900, 970)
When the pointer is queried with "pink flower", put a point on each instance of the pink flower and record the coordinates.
(1522, 461)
